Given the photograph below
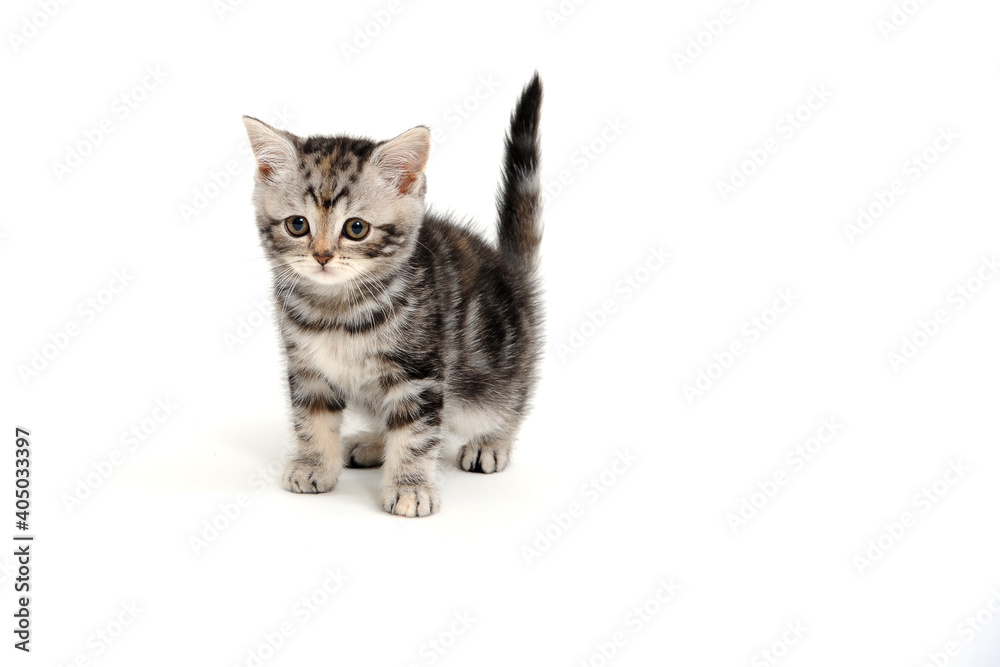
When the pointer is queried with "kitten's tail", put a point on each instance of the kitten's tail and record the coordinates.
(519, 201)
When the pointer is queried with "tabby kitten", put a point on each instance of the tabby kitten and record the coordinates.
(418, 324)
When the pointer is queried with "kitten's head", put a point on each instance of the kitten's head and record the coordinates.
(333, 209)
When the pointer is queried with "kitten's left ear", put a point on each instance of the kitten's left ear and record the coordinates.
(273, 148)
(402, 160)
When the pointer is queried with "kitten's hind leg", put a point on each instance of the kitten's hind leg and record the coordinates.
(486, 454)
(364, 449)
(488, 435)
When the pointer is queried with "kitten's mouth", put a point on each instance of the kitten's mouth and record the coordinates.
(328, 274)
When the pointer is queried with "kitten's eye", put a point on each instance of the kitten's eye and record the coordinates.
(356, 229)
(297, 225)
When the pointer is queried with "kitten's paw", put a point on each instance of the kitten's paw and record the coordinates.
(486, 457)
(363, 450)
(410, 501)
(305, 477)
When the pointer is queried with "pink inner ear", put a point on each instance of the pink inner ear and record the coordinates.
(401, 173)
(406, 180)
(403, 159)
(272, 151)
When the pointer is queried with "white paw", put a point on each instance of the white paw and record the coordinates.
(303, 477)
(363, 450)
(410, 501)
(485, 458)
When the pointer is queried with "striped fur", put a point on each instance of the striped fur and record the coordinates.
(423, 328)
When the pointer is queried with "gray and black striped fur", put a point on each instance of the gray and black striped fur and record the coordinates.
(422, 327)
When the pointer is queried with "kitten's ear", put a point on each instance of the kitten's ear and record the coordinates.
(402, 160)
(273, 148)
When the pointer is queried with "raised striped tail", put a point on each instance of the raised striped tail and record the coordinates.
(519, 202)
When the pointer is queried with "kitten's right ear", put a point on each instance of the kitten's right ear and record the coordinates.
(272, 148)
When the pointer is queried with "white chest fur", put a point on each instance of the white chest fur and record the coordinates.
(347, 360)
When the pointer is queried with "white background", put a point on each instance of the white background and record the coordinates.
(672, 131)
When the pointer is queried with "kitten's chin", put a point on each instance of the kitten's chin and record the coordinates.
(326, 276)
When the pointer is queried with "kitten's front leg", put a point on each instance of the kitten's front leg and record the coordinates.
(317, 412)
(412, 450)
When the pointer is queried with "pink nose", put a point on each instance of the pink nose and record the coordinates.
(322, 259)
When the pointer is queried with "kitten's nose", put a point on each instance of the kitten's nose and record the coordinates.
(323, 259)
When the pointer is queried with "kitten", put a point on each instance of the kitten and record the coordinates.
(418, 324)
